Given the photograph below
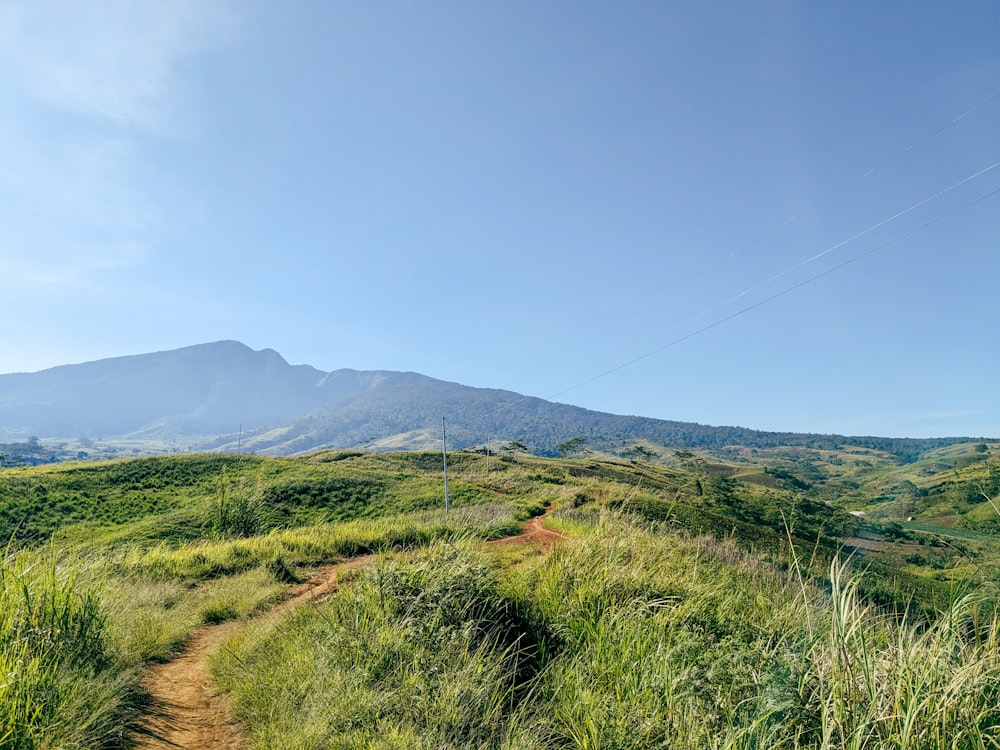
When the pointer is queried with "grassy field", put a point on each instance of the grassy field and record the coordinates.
(621, 638)
(691, 605)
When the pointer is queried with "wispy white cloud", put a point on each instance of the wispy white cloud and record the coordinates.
(70, 203)
(111, 59)
(86, 86)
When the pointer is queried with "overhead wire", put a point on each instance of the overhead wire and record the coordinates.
(782, 293)
(775, 230)
(785, 291)
(838, 245)
(847, 185)
(765, 236)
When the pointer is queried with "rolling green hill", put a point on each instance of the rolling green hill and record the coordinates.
(693, 599)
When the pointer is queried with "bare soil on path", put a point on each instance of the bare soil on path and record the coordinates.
(534, 532)
(188, 709)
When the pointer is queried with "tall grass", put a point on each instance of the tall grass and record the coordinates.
(60, 686)
(681, 643)
(154, 618)
(874, 683)
(655, 641)
(424, 654)
(324, 542)
(622, 638)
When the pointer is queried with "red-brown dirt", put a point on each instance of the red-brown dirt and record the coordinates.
(533, 531)
(190, 712)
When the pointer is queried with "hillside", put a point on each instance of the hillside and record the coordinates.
(682, 606)
(227, 397)
(944, 521)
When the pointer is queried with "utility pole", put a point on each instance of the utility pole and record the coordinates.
(444, 451)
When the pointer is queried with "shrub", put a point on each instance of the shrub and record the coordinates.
(60, 686)
(239, 508)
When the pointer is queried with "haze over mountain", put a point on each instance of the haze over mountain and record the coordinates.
(226, 396)
(199, 390)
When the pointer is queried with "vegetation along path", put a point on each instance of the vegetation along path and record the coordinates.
(189, 709)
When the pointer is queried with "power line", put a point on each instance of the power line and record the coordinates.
(787, 290)
(776, 229)
(767, 235)
(847, 185)
(782, 293)
(842, 243)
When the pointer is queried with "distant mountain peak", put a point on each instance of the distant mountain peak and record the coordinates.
(206, 395)
(203, 389)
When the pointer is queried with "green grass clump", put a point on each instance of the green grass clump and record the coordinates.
(622, 637)
(421, 654)
(238, 508)
(60, 684)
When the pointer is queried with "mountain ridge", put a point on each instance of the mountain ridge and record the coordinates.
(226, 396)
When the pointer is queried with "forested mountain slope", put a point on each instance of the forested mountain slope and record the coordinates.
(226, 396)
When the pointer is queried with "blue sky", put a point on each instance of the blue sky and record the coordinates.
(528, 195)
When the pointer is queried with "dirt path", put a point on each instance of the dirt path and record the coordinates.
(535, 532)
(191, 712)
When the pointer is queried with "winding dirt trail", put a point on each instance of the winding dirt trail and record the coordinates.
(190, 712)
